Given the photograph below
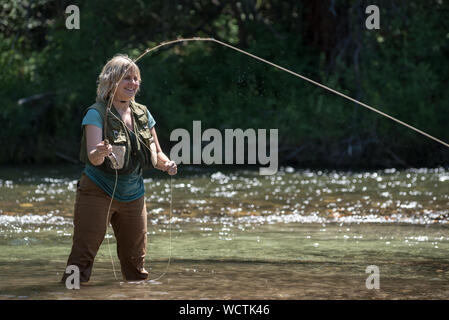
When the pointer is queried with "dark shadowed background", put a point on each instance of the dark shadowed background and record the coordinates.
(48, 75)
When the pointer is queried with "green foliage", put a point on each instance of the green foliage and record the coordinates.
(48, 74)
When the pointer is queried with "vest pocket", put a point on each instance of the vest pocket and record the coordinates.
(119, 137)
(149, 148)
(145, 134)
(118, 157)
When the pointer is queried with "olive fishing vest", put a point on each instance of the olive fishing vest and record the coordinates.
(119, 135)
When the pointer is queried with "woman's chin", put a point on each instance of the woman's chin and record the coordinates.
(126, 98)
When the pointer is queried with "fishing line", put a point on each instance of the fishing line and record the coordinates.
(296, 75)
(169, 232)
(148, 50)
(112, 198)
(107, 225)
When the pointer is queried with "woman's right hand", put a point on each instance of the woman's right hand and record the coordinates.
(103, 150)
(97, 150)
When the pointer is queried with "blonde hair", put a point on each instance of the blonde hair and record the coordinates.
(111, 74)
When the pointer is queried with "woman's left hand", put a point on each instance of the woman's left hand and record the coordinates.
(171, 168)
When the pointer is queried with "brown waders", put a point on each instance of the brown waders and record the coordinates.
(128, 220)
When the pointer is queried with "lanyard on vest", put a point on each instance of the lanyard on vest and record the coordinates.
(111, 97)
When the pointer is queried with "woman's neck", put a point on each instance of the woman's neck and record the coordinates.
(121, 105)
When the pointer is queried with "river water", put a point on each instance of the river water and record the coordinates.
(299, 234)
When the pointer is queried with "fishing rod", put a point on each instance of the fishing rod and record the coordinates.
(162, 44)
(285, 70)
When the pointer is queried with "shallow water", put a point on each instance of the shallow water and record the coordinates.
(237, 235)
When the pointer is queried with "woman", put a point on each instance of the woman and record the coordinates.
(114, 168)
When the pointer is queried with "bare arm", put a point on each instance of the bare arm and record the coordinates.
(96, 149)
(163, 162)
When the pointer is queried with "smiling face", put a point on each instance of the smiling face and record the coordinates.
(128, 86)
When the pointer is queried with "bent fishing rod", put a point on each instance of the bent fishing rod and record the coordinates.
(285, 70)
(162, 44)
